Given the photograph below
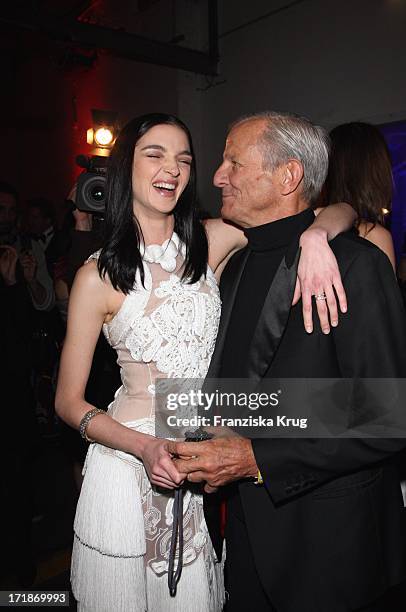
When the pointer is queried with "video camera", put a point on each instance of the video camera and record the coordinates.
(91, 184)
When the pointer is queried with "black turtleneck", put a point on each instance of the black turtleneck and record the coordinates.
(267, 245)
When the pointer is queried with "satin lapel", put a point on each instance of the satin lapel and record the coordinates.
(234, 272)
(273, 319)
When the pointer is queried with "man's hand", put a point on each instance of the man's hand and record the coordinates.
(29, 266)
(318, 274)
(217, 462)
(83, 220)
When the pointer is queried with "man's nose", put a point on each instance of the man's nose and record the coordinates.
(220, 178)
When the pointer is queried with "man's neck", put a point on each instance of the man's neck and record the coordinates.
(278, 211)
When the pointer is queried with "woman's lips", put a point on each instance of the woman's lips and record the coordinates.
(165, 188)
(164, 193)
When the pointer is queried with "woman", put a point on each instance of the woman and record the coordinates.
(151, 291)
(360, 173)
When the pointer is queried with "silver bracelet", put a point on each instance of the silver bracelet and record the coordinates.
(86, 420)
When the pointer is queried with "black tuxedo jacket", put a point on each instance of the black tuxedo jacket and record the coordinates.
(326, 528)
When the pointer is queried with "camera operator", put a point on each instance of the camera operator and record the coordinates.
(85, 239)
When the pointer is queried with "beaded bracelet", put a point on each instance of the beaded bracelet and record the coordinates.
(86, 420)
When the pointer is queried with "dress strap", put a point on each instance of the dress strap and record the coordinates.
(94, 256)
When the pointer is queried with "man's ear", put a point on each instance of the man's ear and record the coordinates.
(292, 176)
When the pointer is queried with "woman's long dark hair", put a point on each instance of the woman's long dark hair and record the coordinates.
(120, 256)
(360, 171)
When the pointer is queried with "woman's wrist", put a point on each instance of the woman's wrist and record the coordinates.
(141, 442)
(101, 428)
(313, 235)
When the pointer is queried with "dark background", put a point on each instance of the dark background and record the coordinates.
(331, 61)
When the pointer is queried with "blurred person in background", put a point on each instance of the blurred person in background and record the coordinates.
(360, 173)
(31, 256)
(40, 224)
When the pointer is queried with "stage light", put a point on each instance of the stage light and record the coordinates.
(385, 211)
(103, 133)
(103, 137)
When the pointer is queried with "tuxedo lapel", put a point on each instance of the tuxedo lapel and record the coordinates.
(229, 287)
(273, 319)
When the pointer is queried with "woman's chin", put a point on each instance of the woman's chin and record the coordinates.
(155, 209)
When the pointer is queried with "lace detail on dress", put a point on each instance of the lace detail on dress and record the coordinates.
(180, 334)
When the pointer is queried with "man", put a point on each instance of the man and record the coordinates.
(40, 225)
(30, 254)
(323, 531)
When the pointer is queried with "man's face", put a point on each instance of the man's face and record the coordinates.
(37, 224)
(248, 190)
(8, 212)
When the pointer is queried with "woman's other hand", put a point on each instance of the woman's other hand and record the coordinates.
(158, 463)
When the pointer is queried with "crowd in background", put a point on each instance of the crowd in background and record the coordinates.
(41, 249)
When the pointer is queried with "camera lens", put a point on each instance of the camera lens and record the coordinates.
(91, 192)
(97, 193)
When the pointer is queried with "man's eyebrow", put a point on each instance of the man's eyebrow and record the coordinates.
(161, 148)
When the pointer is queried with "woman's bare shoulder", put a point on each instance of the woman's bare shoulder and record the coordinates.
(97, 291)
(380, 237)
(88, 276)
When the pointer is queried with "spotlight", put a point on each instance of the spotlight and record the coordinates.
(103, 132)
(103, 137)
(385, 211)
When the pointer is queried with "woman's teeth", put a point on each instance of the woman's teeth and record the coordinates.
(167, 186)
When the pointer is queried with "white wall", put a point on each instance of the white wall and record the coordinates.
(331, 61)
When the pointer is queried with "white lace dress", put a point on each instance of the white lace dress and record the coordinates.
(122, 528)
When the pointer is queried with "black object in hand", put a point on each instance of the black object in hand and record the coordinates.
(198, 435)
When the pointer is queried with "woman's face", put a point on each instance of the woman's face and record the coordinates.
(161, 170)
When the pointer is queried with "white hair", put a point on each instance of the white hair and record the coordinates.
(288, 136)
